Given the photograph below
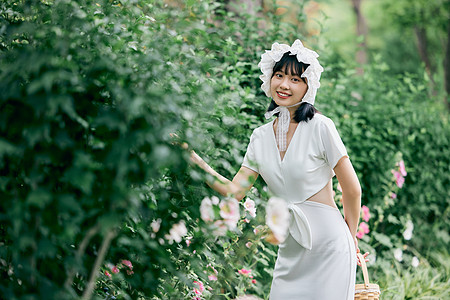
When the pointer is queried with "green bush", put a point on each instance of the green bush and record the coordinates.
(89, 176)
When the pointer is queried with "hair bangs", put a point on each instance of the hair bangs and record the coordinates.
(290, 65)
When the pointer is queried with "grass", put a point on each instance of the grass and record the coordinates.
(430, 280)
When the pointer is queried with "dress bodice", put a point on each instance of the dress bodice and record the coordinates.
(306, 167)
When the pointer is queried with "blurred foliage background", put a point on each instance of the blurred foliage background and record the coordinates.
(89, 175)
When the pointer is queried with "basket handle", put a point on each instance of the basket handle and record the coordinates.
(364, 269)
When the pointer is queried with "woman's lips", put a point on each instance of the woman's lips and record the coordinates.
(283, 95)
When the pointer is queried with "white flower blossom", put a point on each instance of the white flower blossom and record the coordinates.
(415, 262)
(398, 254)
(156, 224)
(206, 210)
(215, 200)
(229, 211)
(250, 207)
(278, 218)
(177, 232)
(407, 234)
(220, 228)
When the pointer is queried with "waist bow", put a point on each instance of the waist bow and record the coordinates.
(299, 226)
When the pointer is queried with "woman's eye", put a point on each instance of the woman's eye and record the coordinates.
(279, 75)
(295, 80)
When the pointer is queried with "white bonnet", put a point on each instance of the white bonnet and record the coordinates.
(304, 55)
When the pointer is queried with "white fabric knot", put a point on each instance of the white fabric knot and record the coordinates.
(299, 227)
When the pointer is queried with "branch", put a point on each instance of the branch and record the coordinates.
(91, 232)
(101, 256)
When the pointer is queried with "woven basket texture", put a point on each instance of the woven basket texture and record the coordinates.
(366, 290)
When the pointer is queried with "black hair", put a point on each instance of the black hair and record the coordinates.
(291, 66)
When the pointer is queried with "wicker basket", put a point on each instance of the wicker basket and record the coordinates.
(366, 290)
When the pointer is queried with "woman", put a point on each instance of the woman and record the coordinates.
(297, 154)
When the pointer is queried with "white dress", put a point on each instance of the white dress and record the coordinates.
(318, 259)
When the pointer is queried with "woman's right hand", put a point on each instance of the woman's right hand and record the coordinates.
(357, 251)
(183, 145)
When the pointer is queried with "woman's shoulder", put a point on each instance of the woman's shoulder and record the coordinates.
(321, 118)
(321, 121)
(264, 128)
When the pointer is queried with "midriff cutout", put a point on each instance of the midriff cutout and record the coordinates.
(324, 196)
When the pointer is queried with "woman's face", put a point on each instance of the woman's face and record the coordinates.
(287, 89)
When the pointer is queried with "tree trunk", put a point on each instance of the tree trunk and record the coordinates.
(447, 69)
(361, 30)
(422, 47)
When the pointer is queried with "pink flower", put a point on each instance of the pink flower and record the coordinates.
(115, 270)
(127, 263)
(229, 211)
(107, 274)
(246, 220)
(364, 227)
(253, 281)
(250, 207)
(365, 213)
(401, 167)
(212, 277)
(362, 230)
(399, 178)
(245, 272)
(199, 289)
(393, 195)
(129, 272)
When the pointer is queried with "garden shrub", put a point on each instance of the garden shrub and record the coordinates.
(94, 190)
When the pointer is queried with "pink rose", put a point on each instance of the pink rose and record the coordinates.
(115, 270)
(108, 274)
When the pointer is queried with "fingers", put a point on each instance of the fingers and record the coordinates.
(364, 255)
(183, 145)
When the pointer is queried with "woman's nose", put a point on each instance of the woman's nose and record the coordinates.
(284, 84)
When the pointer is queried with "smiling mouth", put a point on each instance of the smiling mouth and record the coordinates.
(283, 95)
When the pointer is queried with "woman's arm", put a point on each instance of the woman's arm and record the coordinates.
(351, 193)
(238, 187)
